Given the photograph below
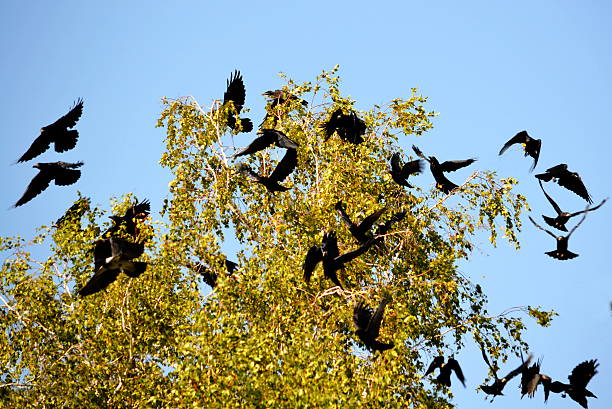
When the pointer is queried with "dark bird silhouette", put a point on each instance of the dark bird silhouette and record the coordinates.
(400, 172)
(567, 179)
(350, 127)
(446, 369)
(580, 377)
(138, 211)
(209, 276)
(438, 169)
(267, 138)
(531, 378)
(359, 231)
(367, 325)
(532, 146)
(563, 217)
(496, 389)
(75, 212)
(113, 256)
(235, 92)
(56, 133)
(561, 253)
(280, 97)
(280, 173)
(329, 254)
(386, 226)
(62, 173)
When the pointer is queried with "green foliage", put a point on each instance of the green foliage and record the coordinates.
(263, 338)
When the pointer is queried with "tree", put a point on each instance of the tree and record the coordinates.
(263, 337)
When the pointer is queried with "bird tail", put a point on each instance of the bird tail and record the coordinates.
(552, 222)
(66, 141)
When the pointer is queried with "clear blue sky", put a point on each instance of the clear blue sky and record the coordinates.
(490, 70)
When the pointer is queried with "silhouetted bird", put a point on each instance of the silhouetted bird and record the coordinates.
(563, 217)
(76, 211)
(438, 169)
(350, 127)
(62, 173)
(279, 97)
(400, 172)
(359, 231)
(445, 370)
(267, 138)
(235, 92)
(113, 256)
(561, 253)
(56, 133)
(386, 226)
(579, 379)
(209, 276)
(280, 173)
(496, 389)
(567, 179)
(368, 325)
(139, 210)
(531, 378)
(532, 146)
(329, 254)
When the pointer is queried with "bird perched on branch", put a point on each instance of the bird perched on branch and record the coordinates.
(579, 378)
(563, 217)
(561, 252)
(280, 173)
(399, 173)
(567, 179)
(350, 127)
(236, 93)
(444, 377)
(267, 138)
(367, 325)
(56, 133)
(438, 169)
(532, 146)
(62, 173)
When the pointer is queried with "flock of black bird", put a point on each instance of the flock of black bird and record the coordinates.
(118, 247)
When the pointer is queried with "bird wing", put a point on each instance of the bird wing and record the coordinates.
(552, 202)
(520, 137)
(362, 316)
(453, 165)
(419, 153)
(332, 123)
(412, 167)
(285, 166)
(235, 91)
(396, 167)
(578, 224)
(519, 370)
(345, 217)
(537, 144)
(376, 319)
(260, 143)
(346, 257)
(573, 182)
(40, 144)
(582, 373)
(589, 209)
(100, 280)
(314, 255)
(280, 139)
(367, 223)
(65, 177)
(102, 250)
(70, 119)
(454, 365)
(436, 363)
(39, 183)
(542, 228)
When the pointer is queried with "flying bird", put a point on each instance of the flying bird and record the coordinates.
(280, 97)
(438, 169)
(496, 389)
(580, 377)
(76, 211)
(567, 179)
(531, 378)
(444, 377)
(367, 325)
(235, 92)
(561, 253)
(359, 231)
(62, 173)
(113, 256)
(350, 127)
(138, 211)
(209, 276)
(563, 217)
(400, 172)
(56, 133)
(532, 146)
(280, 173)
(267, 138)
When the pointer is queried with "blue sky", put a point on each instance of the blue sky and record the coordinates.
(489, 69)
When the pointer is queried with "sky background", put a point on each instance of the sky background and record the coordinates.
(490, 70)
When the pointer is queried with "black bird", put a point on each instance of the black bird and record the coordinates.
(350, 127)
(111, 257)
(267, 138)
(567, 179)
(280, 173)
(531, 378)
(56, 133)
(563, 217)
(445, 370)
(400, 172)
(580, 377)
(138, 211)
(76, 211)
(329, 254)
(279, 97)
(496, 389)
(561, 253)
(62, 173)
(235, 92)
(209, 276)
(386, 226)
(438, 169)
(532, 146)
(359, 231)
(367, 325)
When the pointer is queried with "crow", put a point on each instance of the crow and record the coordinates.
(75, 212)
(235, 92)
(139, 210)
(561, 253)
(579, 379)
(532, 146)
(445, 370)
(359, 231)
(329, 254)
(62, 173)
(267, 138)
(438, 169)
(279, 97)
(280, 173)
(367, 325)
(350, 127)
(567, 179)
(563, 217)
(209, 276)
(531, 378)
(56, 133)
(496, 389)
(111, 257)
(400, 172)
